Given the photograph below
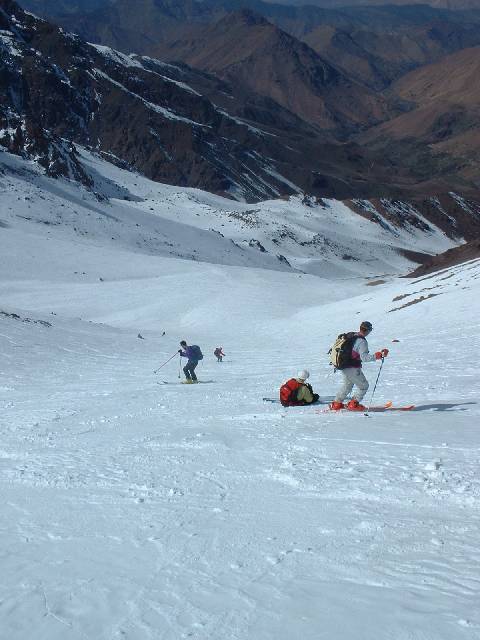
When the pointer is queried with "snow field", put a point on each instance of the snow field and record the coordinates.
(145, 217)
(135, 510)
(138, 510)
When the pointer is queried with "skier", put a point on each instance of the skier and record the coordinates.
(218, 353)
(193, 355)
(296, 392)
(354, 353)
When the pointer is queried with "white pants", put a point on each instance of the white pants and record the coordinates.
(352, 377)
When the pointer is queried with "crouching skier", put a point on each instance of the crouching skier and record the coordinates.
(193, 354)
(296, 392)
(347, 355)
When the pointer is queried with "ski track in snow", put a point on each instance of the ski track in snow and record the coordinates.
(136, 511)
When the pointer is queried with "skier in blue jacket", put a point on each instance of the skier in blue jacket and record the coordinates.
(192, 354)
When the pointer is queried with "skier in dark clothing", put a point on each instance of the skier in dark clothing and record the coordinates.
(193, 355)
(218, 353)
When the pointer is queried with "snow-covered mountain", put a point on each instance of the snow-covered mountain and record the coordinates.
(57, 90)
(246, 135)
(137, 508)
(299, 234)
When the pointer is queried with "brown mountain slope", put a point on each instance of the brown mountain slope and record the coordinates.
(377, 55)
(374, 45)
(246, 50)
(141, 113)
(445, 113)
(455, 78)
(442, 4)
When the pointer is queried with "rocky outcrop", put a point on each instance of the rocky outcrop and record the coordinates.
(457, 255)
(457, 217)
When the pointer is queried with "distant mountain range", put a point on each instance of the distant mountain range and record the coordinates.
(174, 124)
(57, 7)
(338, 103)
(442, 4)
(246, 50)
(64, 7)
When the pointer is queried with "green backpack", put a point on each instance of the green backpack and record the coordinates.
(341, 351)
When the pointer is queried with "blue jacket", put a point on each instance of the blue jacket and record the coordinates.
(189, 353)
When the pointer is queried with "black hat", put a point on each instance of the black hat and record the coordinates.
(183, 343)
(366, 326)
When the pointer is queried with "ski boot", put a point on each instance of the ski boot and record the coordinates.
(336, 406)
(354, 405)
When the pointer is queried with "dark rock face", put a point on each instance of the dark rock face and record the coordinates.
(232, 135)
(312, 77)
(456, 216)
(57, 90)
(24, 122)
(47, 8)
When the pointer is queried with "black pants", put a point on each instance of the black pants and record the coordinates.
(189, 370)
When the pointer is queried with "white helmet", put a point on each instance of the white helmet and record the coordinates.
(303, 375)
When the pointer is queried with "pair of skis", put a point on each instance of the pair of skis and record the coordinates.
(184, 382)
(388, 406)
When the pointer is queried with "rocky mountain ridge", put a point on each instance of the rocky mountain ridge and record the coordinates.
(374, 44)
(288, 69)
(182, 126)
(58, 90)
(246, 50)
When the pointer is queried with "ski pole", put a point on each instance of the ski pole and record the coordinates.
(375, 387)
(162, 365)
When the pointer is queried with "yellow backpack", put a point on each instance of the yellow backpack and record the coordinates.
(341, 351)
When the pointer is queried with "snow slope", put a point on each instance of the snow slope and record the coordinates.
(151, 218)
(138, 510)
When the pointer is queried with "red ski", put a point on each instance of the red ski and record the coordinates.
(388, 406)
(408, 407)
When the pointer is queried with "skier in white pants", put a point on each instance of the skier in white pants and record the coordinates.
(352, 375)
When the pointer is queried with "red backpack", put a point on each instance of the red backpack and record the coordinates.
(288, 393)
